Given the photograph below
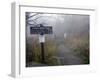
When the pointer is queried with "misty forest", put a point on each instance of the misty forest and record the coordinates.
(67, 45)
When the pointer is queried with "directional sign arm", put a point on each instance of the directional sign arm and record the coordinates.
(41, 30)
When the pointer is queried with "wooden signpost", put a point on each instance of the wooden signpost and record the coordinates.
(41, 30)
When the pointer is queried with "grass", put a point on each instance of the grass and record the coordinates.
(79, 46)
(50, 52)
(83, 52)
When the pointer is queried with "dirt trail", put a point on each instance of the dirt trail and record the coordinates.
(67, 56)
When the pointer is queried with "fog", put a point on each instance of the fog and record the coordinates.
(69, 24)
(70, 38)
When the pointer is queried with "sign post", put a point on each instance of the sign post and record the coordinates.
(42, 52)
(42, 40)
(41, 30)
